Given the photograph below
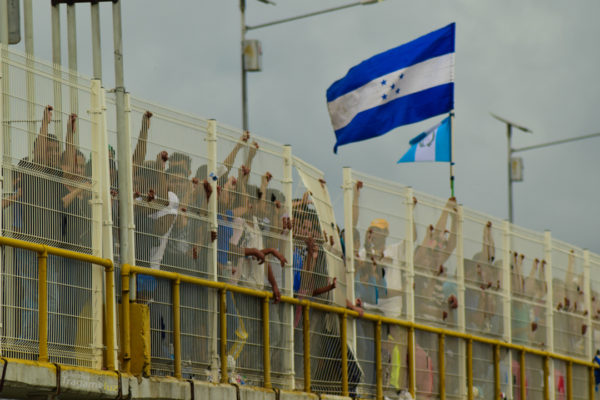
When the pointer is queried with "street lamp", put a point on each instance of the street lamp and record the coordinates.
(251, 51)
(509, 126)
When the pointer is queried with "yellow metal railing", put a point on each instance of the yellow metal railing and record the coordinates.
(128, 271)
(42, 253)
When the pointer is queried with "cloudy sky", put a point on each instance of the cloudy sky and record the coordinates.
(533, 62)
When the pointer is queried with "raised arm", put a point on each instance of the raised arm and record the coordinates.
(139, 154)
(230, 159)
(70, 148)
(41, 143)
(530, 281)
(355, 208)
(489, 249)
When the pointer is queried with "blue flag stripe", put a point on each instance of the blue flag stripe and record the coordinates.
(434, 44)
(442, 142)
(402, 111)
(409, 156)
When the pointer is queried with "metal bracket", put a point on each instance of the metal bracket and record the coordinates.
(58, 374)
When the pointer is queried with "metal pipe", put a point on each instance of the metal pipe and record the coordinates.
(344, 350)
(311, 14)
(510, 195)
(306, 337)
(4, 34)
(244, 72)
(591, 383)
(442, 365)
(43, 305)
(126, 329)
(176, 329)
(378, 369)
(72, 50)
(539, 146)
(96, 40)
(523, 376)
(411, 362)
(57, 63)
(109, 278)
(497, 388)
(28, 23)
(569, 381)
(126, 228)
(470, 369)
(223, 352)
(266, 344)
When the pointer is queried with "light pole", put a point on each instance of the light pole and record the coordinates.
(509, 126)
(245, 28)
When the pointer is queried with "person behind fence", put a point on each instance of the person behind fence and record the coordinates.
(41, 215)
(75, 195)
(429, 259)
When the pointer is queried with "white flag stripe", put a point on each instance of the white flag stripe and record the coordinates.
(425, 150)
(418, 77)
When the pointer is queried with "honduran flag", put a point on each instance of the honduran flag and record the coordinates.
(433, 145)
(404, 85)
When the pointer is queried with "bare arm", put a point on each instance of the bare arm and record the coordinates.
(139, 154)
(70, 149)
(325, 289)
(489, 249)
(39, 153)
(230, 159)
(355, 208)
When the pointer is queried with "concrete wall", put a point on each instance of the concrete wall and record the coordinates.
(35, 380)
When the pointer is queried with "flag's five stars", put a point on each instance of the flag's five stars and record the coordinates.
(391, 90)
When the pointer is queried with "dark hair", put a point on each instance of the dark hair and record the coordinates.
(177, 170)
(176, 157)
(202, 172)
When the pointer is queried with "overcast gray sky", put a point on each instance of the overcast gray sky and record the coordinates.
(534, 62)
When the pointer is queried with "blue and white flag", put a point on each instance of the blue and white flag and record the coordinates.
(407, 84)
(432, 145)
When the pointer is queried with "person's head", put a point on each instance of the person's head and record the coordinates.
(52, 156)
(177, 181)
(598, 352)
(305, 223)
(377, 233)
(73, 168)
(202, 172)
(182, 161)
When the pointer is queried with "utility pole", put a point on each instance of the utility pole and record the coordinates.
(509, 126)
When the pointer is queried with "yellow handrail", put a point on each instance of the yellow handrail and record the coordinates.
(128, 270)
(43, 251)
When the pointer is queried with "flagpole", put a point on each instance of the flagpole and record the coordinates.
(452, 153)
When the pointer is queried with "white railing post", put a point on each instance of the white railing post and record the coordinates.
(460, 288)
(3, 171)
(107, 221)
(409, 255)
(288, 273)
(349, 223)
(549, 306)
(409, 250)
(98, 188)
(587, 292)
(507, 296)
(212, 271)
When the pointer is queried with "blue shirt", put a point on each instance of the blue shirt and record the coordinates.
(298, 263)
(224, 234)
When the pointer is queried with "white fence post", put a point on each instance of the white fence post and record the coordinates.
(288, 277)
(212, 271)
(507, 295)
(549, 306)
(409, 255)
(460, 288)
(587, 292)
(349, 223)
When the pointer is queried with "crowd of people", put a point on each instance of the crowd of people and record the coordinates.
(51, 204)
